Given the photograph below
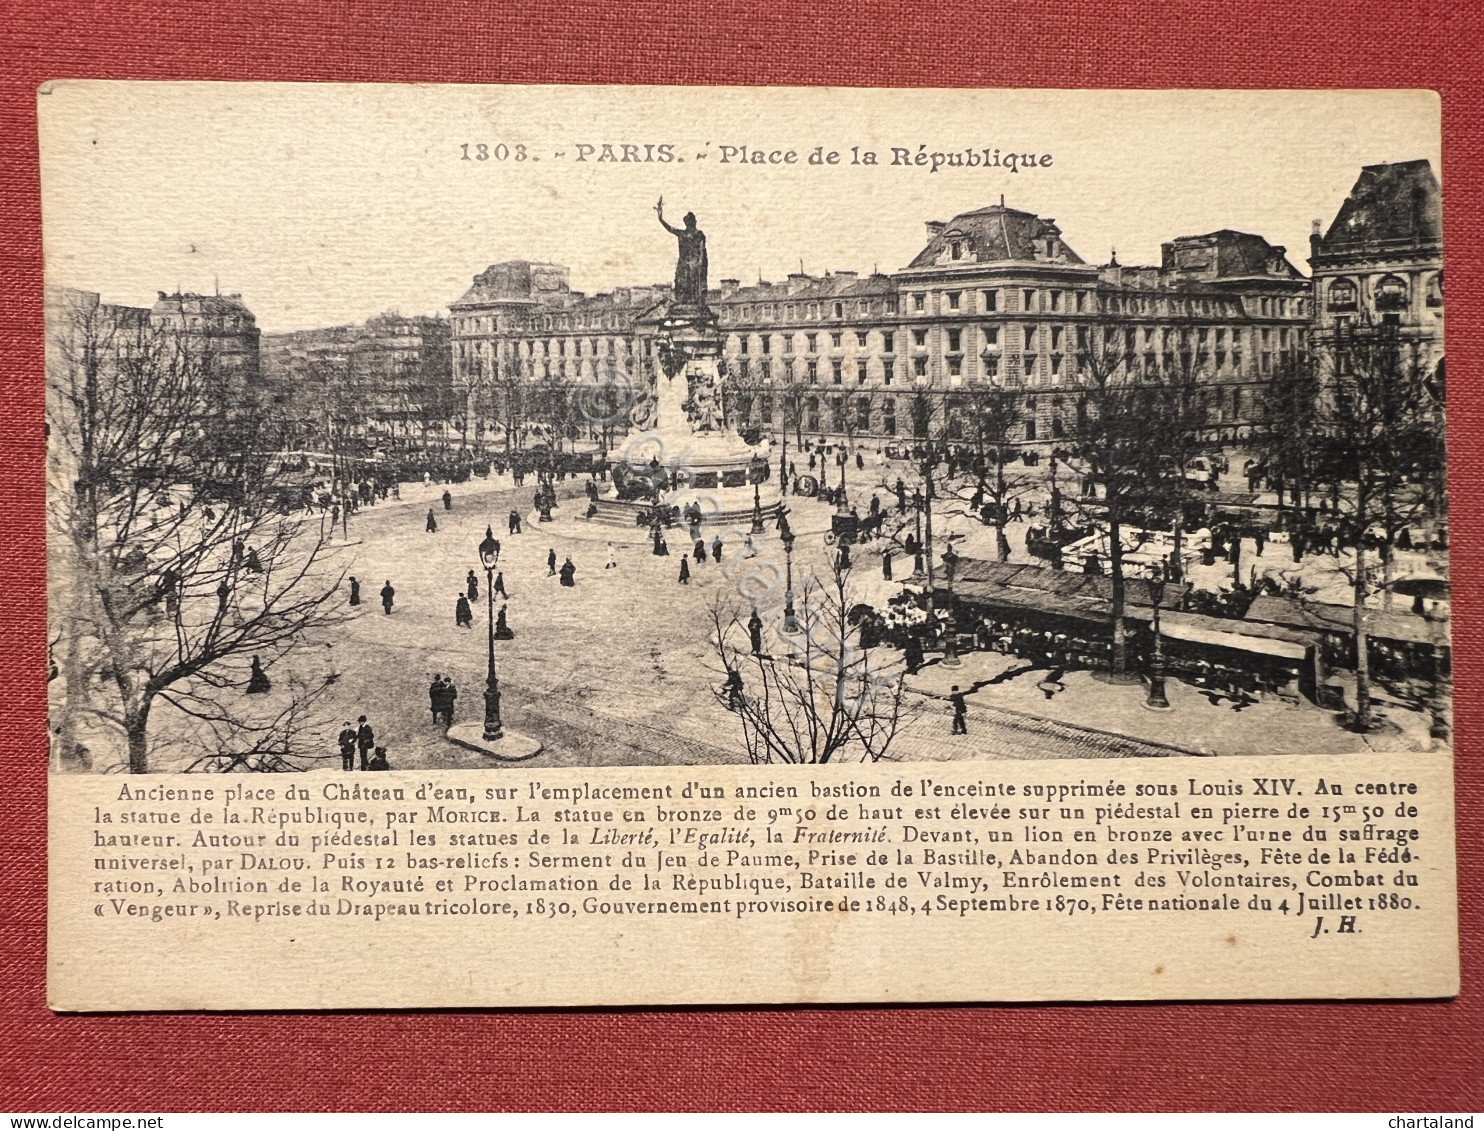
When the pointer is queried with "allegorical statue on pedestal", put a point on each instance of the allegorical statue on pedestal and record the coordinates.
(690, 265)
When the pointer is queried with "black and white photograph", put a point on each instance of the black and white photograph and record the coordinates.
(392, 432)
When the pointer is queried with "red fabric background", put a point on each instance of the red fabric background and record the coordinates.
(1418, 1056)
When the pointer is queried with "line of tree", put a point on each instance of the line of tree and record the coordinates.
(174, 563)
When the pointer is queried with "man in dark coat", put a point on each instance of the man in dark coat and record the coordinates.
(365, 739)
(716, 548)
(463, 614)
(755, 632)
(515, 522)
(471, 586)
(348, 747)
(435, 695)
(960, 711)
(257, 679)
(551, 562)
(355, 591)
(445, 701)
(684, 570)
(569, 571)
(500, 584)
(447, 501)
(700, 554)
(387, 594)
(432, 523)
(886, 565)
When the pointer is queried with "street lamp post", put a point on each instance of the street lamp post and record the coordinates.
(757, 506)
(489, 556)
(790, 621)
(1157, 700)
(950, 637)
(844, 506)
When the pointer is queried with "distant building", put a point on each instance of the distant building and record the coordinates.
(217, 328)
(1381, 261)
(520, 326)
(997, 299)
(386, 381)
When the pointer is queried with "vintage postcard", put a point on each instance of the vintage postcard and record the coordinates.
(770, 545)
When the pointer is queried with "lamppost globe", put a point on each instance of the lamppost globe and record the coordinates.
(489, 549)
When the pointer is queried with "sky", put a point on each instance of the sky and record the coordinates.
(327, 203)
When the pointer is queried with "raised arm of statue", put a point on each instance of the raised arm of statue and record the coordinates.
(659, 211)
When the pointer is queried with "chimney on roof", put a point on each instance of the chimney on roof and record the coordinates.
(935, 228)
(729, 286)
(1316, 238)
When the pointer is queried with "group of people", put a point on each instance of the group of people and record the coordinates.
(441, 696)
(361, 738)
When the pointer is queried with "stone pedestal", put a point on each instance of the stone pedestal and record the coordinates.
(513, 747)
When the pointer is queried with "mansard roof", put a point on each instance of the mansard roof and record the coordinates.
(995, 235)
(1391, 206)
(806, 288)
(1227, 254)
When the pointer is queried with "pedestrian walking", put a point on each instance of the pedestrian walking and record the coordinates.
(223, 592)
(257, 679)
(355, 592)
(733, 689)
(387, 595)
(447, 501)
(463, 615)
(471, 586)
(365, 739)
(716, 548)
(254, 565)
(684, 570)
(569, 572)
(348, 747)
(755, 632)
(515, 522)
(432, 526)
(551, 562)
(500, 584)
(700, 553)
(435, 696)
(960, 711)
(502, 629)
(886, 565)
(446, 700)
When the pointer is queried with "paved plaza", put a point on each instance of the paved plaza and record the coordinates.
(618, 669)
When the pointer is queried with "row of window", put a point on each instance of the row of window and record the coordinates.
(1389, 294)
(1033, 337)
(1218, 404)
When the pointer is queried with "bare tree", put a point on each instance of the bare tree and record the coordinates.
(1129, 435)
(1383, 437)
(175, 554)
(821, 696)
(987, 486)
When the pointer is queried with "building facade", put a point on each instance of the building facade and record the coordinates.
(386, 381)
(220, 329)
(1380, 263)
(522, 339)
(998, 300)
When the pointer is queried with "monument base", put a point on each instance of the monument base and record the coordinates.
(512, 747)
